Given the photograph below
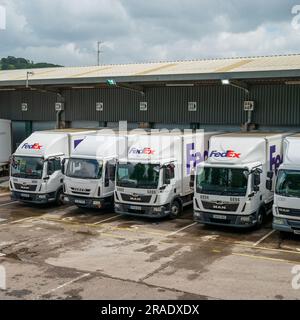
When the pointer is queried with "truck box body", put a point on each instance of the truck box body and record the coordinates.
(5, 142)
(90, 174)
(157, 172)
(226, 193)
(286, 209)
(35, 174)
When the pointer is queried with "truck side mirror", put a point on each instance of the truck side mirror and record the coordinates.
(63, 166)
(256, 188)
(270, 175)
(257, 179)
(192, 183)
(269, 185)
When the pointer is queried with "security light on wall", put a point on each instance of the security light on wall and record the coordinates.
(99, 106)
(24, 107)
(59, 106)
(111, 82)
(192, 106)
(248, 105)
(225, 82)
(143, 106)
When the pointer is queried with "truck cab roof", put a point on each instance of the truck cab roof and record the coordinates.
(242, 148)
(291, 156)
(50, 143)
(99, 146)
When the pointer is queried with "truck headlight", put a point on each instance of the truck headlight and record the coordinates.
(246, 219)
(158, 209)
(197, 214)
(96, 203)
(42, 196)
(279, 221)
(117, 206)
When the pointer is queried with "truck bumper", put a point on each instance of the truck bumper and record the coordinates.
(92, 203)
(286, 225)
(33, 197)
(142, 211)
(218, 219)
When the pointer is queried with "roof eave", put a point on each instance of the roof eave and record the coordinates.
(277, 74)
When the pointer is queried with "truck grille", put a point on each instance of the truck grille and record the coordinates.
(81, 191)
(25, 187)
(135, 198)
(220, 206)
(289, 212)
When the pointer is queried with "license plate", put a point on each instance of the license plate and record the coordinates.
(79, 201)
(25, 195)
(297, 232)
(219, 217)
(135, 208)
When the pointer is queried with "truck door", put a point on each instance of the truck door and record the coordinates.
(257, 197)
(109, 179)
(54, 177)
(169, 181)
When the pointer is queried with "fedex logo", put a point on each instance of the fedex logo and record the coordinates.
(77, 143)
(275, 160)
(193, 157)
(227, 154)
(35, 146)
(147, 151)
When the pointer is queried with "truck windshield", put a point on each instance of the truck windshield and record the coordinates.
(288, 183)
(84, 169)
(138, 175)
(27, 167)
(222, 181)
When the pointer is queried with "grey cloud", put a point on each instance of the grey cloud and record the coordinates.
(66, 31)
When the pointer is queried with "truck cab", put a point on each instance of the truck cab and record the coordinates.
(35, 167)
(286, 209)
(156, 179)
(233, 187)
(90, 171)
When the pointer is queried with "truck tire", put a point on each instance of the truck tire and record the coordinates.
(175, 209)
(59, 197)
(283, 235)
(260, 217)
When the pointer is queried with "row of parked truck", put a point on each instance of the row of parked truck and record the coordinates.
(232, 179)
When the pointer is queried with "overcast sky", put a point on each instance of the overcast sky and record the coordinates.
(66, 31)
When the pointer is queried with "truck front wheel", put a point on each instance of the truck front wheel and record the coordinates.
(175, 209)
(60, 197)
(260, 218)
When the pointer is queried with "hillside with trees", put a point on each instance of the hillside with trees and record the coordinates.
(11, 63)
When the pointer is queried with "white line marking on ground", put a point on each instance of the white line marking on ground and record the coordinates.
(5, 194)
(182, 229)
(101, 221)
(67, 283)
(6, 204)
(16, 221)
(263, 238)
(2, 254)
(2, 220)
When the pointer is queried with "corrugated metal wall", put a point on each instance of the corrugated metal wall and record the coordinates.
(40, 105)
(276, 105)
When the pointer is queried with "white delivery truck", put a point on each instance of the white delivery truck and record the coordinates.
(5, 142)
(233, 186)
(35, 170)
(156, 178)
(90, 172)
(286, 209)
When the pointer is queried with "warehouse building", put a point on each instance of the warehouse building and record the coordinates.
(257, 92)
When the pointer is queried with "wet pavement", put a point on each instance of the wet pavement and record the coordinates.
(64, 252)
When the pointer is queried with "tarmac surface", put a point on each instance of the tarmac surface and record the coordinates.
(69, 253)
